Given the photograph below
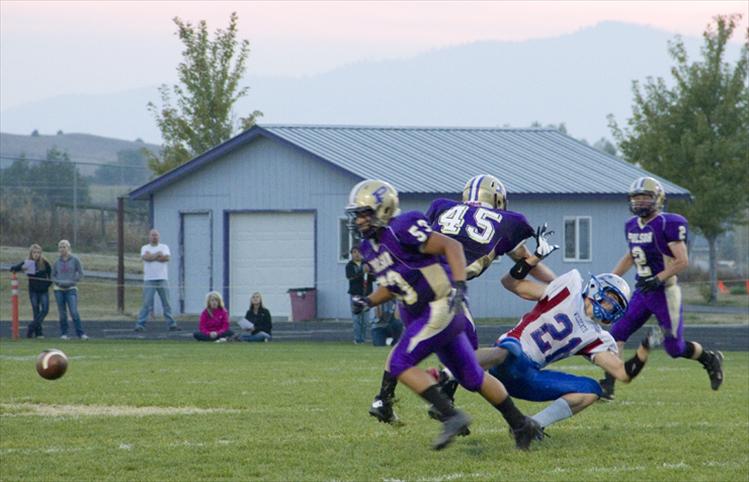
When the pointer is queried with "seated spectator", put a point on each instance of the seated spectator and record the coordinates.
(387, 328)
(38, 270)
(214, 320)
(257, 323)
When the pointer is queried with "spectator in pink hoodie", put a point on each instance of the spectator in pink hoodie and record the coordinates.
(214, 320)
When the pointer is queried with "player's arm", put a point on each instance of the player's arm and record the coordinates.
(515, 280)
(377, 297)
(679, 263)
(626, 371)
(624, 264)
(541, 272)
(441, 245)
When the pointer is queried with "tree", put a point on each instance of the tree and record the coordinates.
(209, 77)
(605, 145)
(696, 132)
(130, 169)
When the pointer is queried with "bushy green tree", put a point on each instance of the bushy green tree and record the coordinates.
(694, 131)
(209, 77)
(131, 169)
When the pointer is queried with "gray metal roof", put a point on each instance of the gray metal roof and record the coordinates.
(532, 161)
(440, 159)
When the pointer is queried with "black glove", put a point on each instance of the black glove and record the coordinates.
(543, 248)
(458, 296)
(649, 284)
(359, 304)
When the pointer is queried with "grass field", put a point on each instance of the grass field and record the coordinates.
(297, 412)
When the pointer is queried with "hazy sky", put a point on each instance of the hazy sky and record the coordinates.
(63, 47)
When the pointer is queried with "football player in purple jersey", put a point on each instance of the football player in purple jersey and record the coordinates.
(658, 251)
(425, 272)
(485, 228)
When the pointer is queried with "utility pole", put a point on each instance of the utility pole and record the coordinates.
(75, 205)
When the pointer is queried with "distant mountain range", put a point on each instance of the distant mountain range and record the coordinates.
(577, 79)
(85, 148)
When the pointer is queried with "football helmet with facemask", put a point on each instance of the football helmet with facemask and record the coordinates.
(613, 290)
(486, 190)
(375, 198)
(650, 187)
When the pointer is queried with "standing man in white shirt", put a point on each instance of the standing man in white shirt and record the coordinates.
(155, 257)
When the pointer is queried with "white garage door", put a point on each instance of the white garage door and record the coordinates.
(270, 252)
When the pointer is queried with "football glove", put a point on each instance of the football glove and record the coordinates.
(543, 248)
(458, 296)
(649, 284)
(360, 304)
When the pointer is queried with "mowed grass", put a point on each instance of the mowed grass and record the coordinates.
(298, 411)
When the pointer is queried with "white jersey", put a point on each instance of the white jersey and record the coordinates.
(557, 326)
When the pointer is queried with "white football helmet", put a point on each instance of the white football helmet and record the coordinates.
(611, 288)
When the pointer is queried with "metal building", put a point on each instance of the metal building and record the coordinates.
(264, 211)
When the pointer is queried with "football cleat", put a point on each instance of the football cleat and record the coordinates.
(715, 369)
(526, 433)
(654, 338)
(451, 427)
(382, 410)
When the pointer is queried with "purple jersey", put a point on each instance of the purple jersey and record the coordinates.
(482, 231)
(395, 258)
(648, 244)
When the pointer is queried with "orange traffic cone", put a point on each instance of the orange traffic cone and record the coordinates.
(722, 288)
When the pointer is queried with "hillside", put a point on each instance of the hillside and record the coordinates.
(80, 147)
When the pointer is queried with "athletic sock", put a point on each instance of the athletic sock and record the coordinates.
(609, 378)
(510, 412)
(558, 410)
(387, 387)
(705, 357)
(440, 402)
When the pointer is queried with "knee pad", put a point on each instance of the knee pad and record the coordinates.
(674, 347)
(588, 385)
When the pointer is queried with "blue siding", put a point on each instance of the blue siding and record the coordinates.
(269, 175)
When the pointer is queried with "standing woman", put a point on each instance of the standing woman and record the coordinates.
(38, 271)
(258, 318)
(66, 273)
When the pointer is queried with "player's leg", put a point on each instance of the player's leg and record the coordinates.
(637, 314)
(447, 382)
(460, 358)
(670, 314)
(382, 405)
(425, 334)
(571, 394)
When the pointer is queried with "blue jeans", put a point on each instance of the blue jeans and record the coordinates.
(40, 307)
(150, 288)
(260, 336)
(68, 300)
(360, 326)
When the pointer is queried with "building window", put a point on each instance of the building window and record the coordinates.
(577, 238)
(346, 240)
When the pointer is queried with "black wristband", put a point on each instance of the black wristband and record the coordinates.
(633, 366)
(461, 285)
(521, 269)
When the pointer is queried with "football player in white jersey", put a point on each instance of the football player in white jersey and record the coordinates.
(564, 322)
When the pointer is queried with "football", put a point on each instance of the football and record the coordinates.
(51, 364)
